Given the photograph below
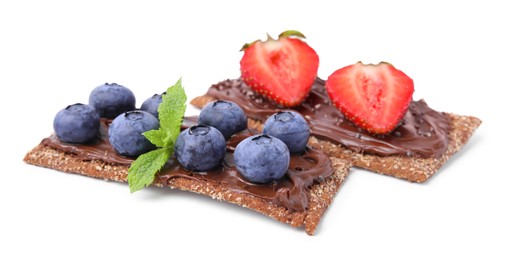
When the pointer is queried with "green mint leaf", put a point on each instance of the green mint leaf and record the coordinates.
(156, 137)
(142, 171)
(171, 111)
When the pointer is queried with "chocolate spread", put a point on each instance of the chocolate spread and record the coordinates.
(290, 191)
(423, 132)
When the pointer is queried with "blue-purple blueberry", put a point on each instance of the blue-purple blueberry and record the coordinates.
(225, 116)
(200, 148)
(111, 100)
(262, 158)
(290, 127)
(151, 104)
(125, 133)
(77, 123)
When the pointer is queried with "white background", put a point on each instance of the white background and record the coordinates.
(53, 53)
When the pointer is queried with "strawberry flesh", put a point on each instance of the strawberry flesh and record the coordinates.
(282, 70)
(374, 97)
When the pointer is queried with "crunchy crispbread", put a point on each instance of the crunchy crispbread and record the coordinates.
(414, 169)
(320, 195)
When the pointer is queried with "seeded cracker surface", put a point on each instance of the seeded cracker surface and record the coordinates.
(413, 169)
(320, 195)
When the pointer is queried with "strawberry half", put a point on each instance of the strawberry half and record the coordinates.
(374, 97)
(283, 70)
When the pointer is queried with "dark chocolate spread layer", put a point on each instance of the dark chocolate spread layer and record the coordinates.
(423, 132)
(290, 191)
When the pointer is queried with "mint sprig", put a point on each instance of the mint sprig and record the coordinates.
(171, 112)
(142, 171)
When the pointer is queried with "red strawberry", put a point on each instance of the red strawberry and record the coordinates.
(374, 97)
(283, 70)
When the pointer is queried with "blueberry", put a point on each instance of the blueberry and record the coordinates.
(151, 104)
(262, 158)
(111, 100)
(225, 116)
(290, 127)
(200, 148)
(77, 123)
(125, 133)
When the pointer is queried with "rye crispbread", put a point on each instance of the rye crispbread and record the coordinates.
(414, 169)
(320, 195)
